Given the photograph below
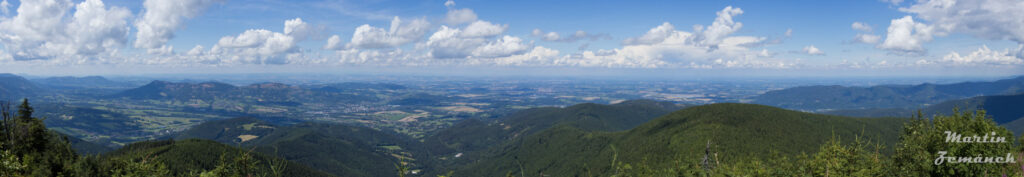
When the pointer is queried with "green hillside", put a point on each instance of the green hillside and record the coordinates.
(85, 122)
(193, 155)
(240, 130)
(342, 150)
(473, 135)
(735, 131)
(86, 147)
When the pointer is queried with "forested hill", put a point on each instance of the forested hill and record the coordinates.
(1007, 110)
(239, 130)
(270, 93)
(183, 157)
(735, 131)
(13, 87)
(1002, 108)
(344, 150)
(815, 98)
(181, 91)
(70, 82)
(338, 149)
(473, 135)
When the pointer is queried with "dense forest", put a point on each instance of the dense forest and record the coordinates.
(917, 153)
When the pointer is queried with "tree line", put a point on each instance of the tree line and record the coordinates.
(922, 150)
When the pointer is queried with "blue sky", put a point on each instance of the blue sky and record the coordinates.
(738, 38)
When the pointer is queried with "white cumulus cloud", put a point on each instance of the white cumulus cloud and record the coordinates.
(197, 50)
(474, 41)
(867, 38)
(260, 46)
(538, 56)
(334, 43)
(458, 16)
(449, 3)
(504, 46)
(399, 33)
(654, 35)
(41, 31)
(722, 26)
(906, 36)
(482, 28)
(811, 50)
(577, 36)
(983, 56)
(298, 28)
(990, 19)
(161, 18)
(862, 37)
(861, 26)
(665, 46)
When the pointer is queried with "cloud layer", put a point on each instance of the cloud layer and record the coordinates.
(68, 33)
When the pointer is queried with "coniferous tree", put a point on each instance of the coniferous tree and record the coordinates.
(25, 111)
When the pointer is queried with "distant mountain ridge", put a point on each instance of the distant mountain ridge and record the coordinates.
(72, 82)
(815, 98)
(14, 87)
(272, 93)
(1007, 110)
(1002, 108)
(170, 90)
